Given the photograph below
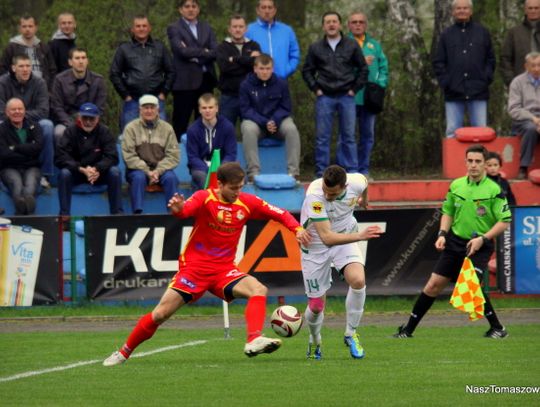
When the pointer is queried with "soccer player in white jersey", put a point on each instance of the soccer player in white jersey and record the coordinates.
(327, 212)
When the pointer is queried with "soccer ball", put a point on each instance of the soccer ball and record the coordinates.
(286, 321)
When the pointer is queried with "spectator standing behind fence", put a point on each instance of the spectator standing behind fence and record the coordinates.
(211, 131)
(21, 83)
(26, 43)
(63, 41)
(141, 66)
(20, 145)
(193, 45)
(335, 70)
(151, 153)
(87, 153)
(265, 106)
(74, 87)
(524, 109)
(464, 64)
(519, 41)
(377, 73)
(275, 38)
(235, 57)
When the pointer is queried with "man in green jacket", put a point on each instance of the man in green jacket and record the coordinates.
(378, 73)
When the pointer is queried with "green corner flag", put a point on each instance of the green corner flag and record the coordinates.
(211, 177)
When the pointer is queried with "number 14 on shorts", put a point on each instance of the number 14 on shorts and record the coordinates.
(312, 285)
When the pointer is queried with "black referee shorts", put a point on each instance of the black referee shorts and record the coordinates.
(451, 259)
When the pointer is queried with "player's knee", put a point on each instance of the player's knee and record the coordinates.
(358, 283)
(161, 314)
(433, 288)
(316, 305)
(259, 289)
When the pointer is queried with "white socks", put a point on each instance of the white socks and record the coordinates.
(314, 322)
(354, 306)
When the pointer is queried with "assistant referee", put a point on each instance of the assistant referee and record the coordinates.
(474, 212)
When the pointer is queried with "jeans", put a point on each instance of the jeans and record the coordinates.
(229, 106)
(251, 133)
(455, 112)
(346, 154)
(366, 128)
(529, 138)
(130, 111)
(198, 179)
(137, 183)
(112, 178)
(46, 156)
(21, 183)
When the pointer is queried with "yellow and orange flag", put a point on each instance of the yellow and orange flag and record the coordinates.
(468, 296)
(211, 177)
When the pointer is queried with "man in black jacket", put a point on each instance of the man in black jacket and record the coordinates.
(335, 70)
(142, 66)
(235, 58)
(63, 40)
(464, 65)
(74, 87)
(20, 145)
(87, 154)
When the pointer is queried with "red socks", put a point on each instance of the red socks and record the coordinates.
(255, 314)
(145, 329)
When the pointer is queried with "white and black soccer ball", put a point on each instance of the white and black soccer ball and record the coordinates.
(286, 321)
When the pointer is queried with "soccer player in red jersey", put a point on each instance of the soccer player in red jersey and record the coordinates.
(207, 262)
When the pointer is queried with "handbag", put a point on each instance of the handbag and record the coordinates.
(374, 97)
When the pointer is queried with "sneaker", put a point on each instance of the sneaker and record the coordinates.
(357, 352)
(402, 333)
(261, 345)
(20, 206)
(44, 182)
(30, 204)
(115, 359)
(314, 352)
(495, 333)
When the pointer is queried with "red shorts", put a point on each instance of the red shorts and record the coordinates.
(191, 283)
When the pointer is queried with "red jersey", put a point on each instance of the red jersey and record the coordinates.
(218, 226)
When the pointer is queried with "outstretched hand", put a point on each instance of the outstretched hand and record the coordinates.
(370, 232)
(176, 203)
(303, 237)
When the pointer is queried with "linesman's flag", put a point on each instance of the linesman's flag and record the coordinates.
(468, 295)
(211, 177)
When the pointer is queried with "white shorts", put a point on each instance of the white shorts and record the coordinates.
(316, 266)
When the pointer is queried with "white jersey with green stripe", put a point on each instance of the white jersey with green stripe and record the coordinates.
(339, 211)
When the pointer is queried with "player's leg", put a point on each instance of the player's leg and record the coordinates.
(170, 302)
(317, 281)
(255, 292)
(354, 307)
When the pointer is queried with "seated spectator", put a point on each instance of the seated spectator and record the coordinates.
(74, 87)
(63, 41)
(21, 83)
(141, 66)
(524, 109)
(265, 106)
(151, 153)
(20, 145)
(235, 57)
(87, 154)
(493, 170)
(208, 133)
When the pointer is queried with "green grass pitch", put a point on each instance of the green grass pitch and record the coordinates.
(432, 369)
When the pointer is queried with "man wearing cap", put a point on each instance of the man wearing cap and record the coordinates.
(86, 153)
(20, 145)
(151, 153)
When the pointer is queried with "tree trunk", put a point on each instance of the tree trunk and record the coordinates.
(442, 19)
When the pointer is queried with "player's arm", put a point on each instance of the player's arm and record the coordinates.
(331, 238)
(184, 208)
(477, 242)
(444, 228)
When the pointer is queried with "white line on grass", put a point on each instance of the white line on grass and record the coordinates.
(91, 362)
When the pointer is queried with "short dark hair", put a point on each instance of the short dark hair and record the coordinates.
(492, 155)
(263, 59)
(330, 13)
(76, 49)
(237, 17)
(230, 173)
(180, 3)
(207, 97)
(19, 57)
(477, 148)
(334, 175)
(27, 16)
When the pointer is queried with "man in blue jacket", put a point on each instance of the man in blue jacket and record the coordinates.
(208, 133)
(265, 106)
(276, 39)
(464, 65)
